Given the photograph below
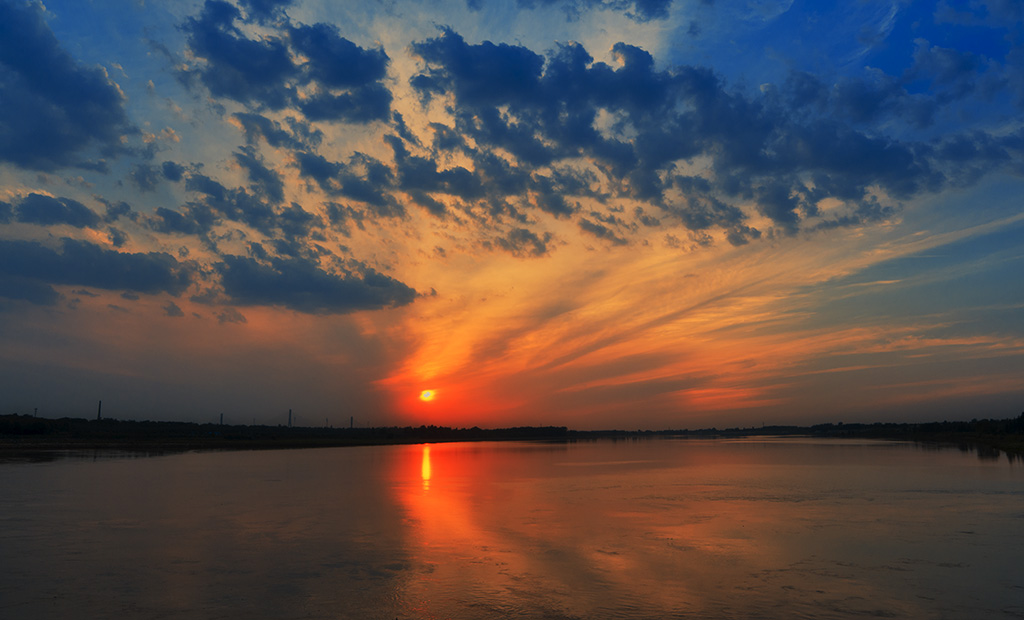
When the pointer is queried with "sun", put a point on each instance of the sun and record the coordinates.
(427, 395)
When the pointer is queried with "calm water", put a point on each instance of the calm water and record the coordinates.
(630, 529)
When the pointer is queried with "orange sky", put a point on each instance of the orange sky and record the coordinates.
(629, 216)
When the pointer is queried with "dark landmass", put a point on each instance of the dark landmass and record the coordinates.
(24, 434)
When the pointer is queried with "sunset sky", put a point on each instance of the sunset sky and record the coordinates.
(590, 213)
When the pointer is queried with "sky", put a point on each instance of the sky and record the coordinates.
(653, 214)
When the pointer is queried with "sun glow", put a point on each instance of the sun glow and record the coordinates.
(427, 395)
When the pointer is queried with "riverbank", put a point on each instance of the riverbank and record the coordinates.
(28, 434)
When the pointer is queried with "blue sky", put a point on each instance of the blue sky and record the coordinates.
(596, 213)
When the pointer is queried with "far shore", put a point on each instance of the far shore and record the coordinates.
(28, 435)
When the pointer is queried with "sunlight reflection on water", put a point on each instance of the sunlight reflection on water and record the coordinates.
(635, 529)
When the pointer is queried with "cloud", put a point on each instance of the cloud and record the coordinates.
(601, 231)
(310, 68)
(302, 285)
(265, 181)
(31, 267)
(118, 210)
(256, 126)
(53, 107)
(785, 149)
(363, 178)
(637, 10)
(214, 204)
(48, 211)
(237, 67)
(172, 309)
(524, 243)
(195, 220)
(145, 177)
(421, 174)
(231, 315)
(483, 74)
(265, 10)
(27, 289)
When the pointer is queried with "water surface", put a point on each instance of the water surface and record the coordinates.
(755, 528)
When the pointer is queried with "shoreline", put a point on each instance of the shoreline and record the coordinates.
(30, 435)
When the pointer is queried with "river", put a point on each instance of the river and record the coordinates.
(651, 528)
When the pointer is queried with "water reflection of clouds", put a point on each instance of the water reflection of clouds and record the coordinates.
(661, 529)
(713, 529)
(490, 536)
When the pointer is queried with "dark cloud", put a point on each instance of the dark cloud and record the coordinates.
(48, 211)
(447, 139)
(698, 207)
(172, 309)
(265, 10)
(172, 171)
(524, 243)
(370, 103)
(420, 174)
(362, 178)
(341, 216)
(266, 181)
(194, 220)
(742, 235)
(117, 237)
(786, 149)
(118, 210)
(296, 222)
(27, 289)
(601, 231)
(302, 285)
(550, 199)
(950, 74)
(637, 10)
(6, 212)
(336, 80)
(320, 170)
(52, 107)
(777, 202)
(216, 203)
(80, 263)
(145, 177)
(231, 315)
(403, 129)
(428, 202)
(647, 220)
(336, 62)
(484, 74)
(299, 135)
(236, 67)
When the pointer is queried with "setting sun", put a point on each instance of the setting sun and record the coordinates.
(427, 395)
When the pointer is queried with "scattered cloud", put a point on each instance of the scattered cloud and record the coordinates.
(639, 203)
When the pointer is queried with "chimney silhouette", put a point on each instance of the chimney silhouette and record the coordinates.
(289, 417)
(99, 411)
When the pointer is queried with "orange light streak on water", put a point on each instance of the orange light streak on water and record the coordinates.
(425, 469)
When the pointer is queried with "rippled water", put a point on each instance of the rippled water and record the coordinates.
(630, 529)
